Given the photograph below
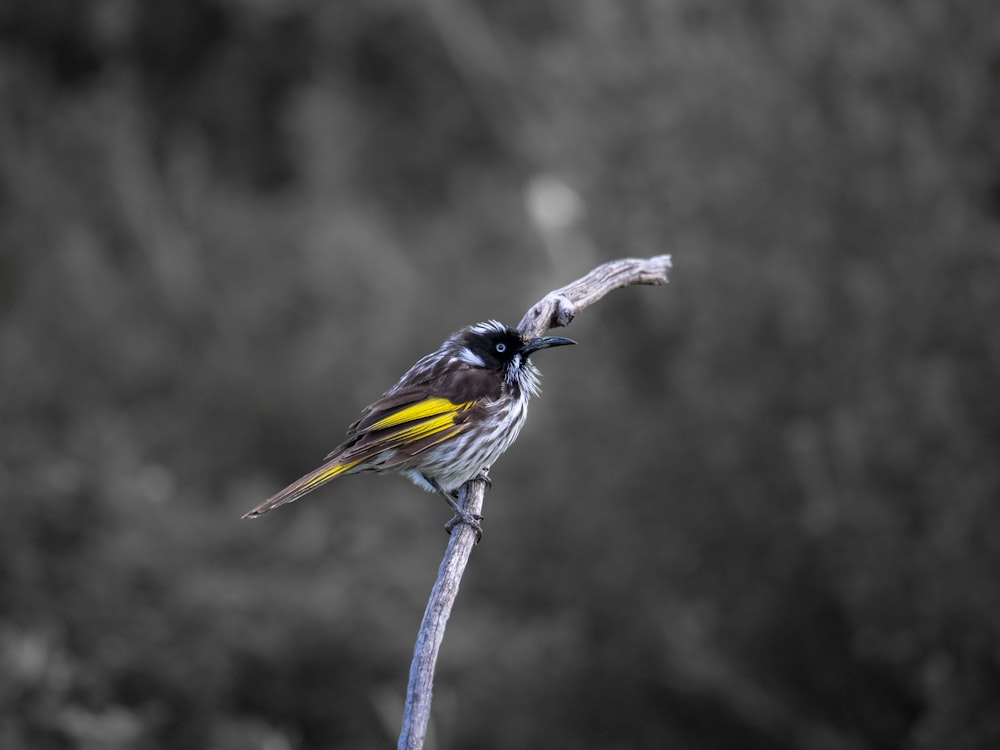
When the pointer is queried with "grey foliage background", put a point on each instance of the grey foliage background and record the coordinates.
(755, 509)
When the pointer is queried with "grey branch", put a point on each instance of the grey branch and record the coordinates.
(556, 309)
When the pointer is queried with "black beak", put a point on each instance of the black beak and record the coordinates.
(544, 342)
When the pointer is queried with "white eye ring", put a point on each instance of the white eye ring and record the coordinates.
(501, 347)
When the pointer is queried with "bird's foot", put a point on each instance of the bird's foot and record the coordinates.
(469, 519)
(484, 477)
(461, 514)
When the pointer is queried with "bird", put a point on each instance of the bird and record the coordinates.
(446, 421)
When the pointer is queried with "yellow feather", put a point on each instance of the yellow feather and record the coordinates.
(429, 407)
(320, 477)
(426, 428)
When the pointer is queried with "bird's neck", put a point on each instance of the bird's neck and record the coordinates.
(522, 378)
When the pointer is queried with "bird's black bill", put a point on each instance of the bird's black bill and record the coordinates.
(544, 342)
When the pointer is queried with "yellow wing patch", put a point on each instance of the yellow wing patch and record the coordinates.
(425, 429)
(429, 407)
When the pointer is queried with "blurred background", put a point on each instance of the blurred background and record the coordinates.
(757, 508)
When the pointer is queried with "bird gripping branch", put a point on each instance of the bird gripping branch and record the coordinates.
(446, 421)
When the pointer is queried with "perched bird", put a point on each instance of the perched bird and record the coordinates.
(445, 422)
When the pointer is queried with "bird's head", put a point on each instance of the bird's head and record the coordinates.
(495, 346)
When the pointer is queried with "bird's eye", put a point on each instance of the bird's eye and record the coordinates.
(501, 347)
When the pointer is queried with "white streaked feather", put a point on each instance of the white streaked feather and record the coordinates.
(490, 326)
(465, 354)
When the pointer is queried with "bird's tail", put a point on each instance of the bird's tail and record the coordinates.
(305, 485)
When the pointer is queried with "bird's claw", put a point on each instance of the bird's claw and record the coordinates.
(469, 519)
(484, 477)
(461, 514)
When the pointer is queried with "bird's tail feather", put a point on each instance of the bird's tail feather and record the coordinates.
(303, 486)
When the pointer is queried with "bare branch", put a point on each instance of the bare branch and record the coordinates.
(557, 308)
(417, 712)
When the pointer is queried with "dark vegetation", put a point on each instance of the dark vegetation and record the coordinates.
(759, 508)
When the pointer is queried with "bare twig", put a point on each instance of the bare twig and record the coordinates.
(556, 309)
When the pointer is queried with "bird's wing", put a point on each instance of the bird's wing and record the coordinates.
(434, 403)
(402, 424)
(397, 428)
(405, 424)
(418, 413)
(402, 408)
